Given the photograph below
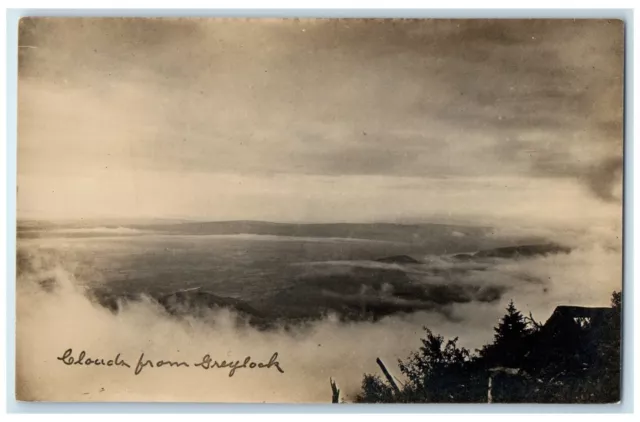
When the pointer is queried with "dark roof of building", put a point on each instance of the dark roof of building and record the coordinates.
(581, 311)
(570, 313)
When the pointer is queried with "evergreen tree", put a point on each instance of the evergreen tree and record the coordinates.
(510, 340)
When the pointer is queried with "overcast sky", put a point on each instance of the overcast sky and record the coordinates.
(333, 120)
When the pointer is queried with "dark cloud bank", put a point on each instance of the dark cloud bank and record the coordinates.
(350, 96)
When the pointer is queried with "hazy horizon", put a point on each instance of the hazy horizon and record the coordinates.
(151, 220)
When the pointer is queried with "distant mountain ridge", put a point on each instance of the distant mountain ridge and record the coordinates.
(35, 224)
(516, 251)
(374, 231)
(437, 237)
(398, 259)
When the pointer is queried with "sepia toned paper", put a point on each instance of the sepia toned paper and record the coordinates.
(319, 210)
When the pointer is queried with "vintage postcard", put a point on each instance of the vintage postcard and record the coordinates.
(319, 210)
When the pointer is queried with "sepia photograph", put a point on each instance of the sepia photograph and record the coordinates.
(289, 210)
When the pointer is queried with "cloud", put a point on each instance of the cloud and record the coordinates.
(433, 97)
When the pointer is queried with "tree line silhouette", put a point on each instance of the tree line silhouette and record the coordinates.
(573, 358)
